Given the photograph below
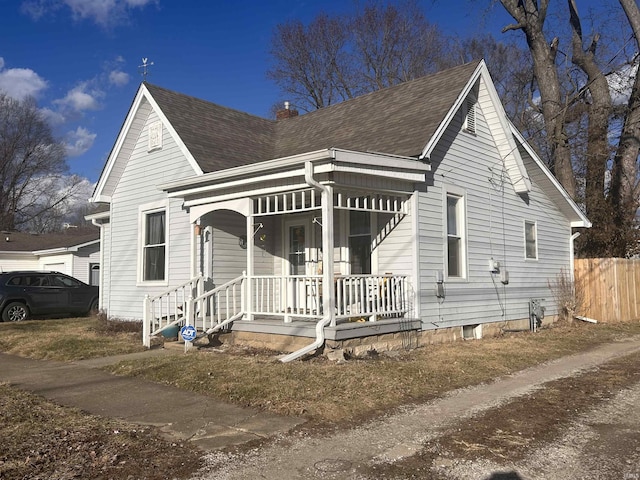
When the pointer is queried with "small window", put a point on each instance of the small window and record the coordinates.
(455, 236)
(360, 242)
(530, 240)
(155, 136)
(470, 115)
(153, 254)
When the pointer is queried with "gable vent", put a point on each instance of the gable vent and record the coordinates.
(470, 115)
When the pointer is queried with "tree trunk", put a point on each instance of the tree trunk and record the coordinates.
(530, 18)
(624, 183)
(597, 206)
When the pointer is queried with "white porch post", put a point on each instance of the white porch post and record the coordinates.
(195, 236)
(328, 290)
(250, 248)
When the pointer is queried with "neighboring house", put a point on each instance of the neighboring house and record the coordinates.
(77, 255)
(372, 222)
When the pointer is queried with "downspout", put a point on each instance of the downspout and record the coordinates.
(328, 299)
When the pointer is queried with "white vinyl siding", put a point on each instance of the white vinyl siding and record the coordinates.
(494, 229)
(139, 181)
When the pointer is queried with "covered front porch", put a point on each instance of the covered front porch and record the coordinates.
(320, 246)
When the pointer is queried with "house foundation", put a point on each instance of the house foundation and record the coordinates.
(362, 346)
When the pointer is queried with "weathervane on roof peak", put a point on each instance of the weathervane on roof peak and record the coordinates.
(144, 68)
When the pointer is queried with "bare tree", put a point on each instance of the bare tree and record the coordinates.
(530, 16)
(393, 44)
(311, 63)
(579, 113)
(337, 58)
(33, 168)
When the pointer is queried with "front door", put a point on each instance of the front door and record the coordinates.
(297, 259)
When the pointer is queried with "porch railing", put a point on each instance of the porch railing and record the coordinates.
(299, 295)
(168, 308)
(357, 297)
(219, 306)
(370, 297)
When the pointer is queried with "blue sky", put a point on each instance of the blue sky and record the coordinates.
(80, 58)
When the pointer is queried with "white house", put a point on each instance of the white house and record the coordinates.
(75, 254)
(367, 224)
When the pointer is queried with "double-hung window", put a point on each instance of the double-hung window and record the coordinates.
(530, 240)
(154, 246)
(455, 236)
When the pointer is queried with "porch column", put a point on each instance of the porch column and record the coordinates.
(248, 286)
(328, 290)
(195, 237)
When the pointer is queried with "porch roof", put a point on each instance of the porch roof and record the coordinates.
(325, 162)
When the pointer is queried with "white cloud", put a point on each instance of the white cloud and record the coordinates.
(103, 12)
(80, 98)
(118, 78)
(54, 119)
(20, 83)
(79, 141)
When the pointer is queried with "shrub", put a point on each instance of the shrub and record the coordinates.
(568, 295)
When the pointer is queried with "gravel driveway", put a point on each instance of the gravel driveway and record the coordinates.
(599, 442)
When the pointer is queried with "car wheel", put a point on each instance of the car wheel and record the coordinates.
(93, 310)
(15, 312)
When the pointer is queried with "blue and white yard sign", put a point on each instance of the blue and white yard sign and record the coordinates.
(188, 333)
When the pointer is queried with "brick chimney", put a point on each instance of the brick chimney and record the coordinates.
(287, 112)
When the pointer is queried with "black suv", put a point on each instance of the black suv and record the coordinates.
(23, 294)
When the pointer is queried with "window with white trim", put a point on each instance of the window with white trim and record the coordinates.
(360, 242)
(154, 246)
(530, 240)
(456, 263)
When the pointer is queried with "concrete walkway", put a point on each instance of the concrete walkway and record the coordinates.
(206, 422)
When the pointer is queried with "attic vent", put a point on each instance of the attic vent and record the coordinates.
(470, 115)
(155, 136)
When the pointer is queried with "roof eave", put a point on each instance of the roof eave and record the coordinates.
(581, 220)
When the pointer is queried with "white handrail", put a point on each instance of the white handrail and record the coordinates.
(167, 308)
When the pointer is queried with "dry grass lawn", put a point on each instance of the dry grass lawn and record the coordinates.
(328, 393)
(70, 339)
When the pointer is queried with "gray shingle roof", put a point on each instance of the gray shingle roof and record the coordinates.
(27, 242)
(398, 120)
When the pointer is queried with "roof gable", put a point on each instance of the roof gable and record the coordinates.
(130, 131)
(481, 87)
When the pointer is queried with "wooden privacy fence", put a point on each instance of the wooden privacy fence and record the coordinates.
(609, 287)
